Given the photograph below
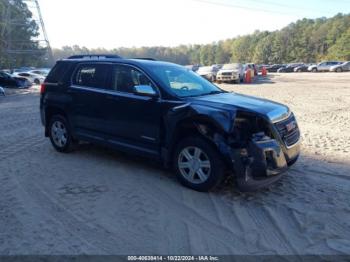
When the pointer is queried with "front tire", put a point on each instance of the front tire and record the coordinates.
(198, 165)
(314, 70)
(60, 134)
(339, 70)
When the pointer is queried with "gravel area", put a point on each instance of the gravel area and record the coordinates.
(97, 201)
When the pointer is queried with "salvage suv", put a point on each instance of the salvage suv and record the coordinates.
(169, 113)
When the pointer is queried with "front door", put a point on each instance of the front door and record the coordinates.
(135, 119)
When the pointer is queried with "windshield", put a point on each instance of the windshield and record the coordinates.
(231, 66)
(184, 82)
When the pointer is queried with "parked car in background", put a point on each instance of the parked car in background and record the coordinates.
(274, 68)
(208, 72)
(341, 67)
(194, 68)
(323, 66)
(33, 78)
(22, 69)
(231, 73)
(2, 91)
(8, 71)
(302, 68)
(43, 72)
(288, 68)
(218, 66)
(6, 80)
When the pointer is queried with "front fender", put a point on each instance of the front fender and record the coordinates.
(220, 121)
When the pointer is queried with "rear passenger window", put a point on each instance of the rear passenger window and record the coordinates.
(126, 77)
(92, 76)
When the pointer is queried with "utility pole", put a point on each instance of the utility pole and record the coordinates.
(14, 48)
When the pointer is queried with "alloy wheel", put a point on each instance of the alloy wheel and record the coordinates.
(194, 165)
(59, 134)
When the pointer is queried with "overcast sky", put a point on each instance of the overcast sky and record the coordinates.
(127, 23)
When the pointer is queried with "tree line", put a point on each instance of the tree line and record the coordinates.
(18, 31)
(307, 40)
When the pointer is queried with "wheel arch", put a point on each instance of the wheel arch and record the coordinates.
(200, 125)
(49, 113)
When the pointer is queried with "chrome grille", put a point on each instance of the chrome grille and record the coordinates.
(290, 136)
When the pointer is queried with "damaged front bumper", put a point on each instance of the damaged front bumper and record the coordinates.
(262, 162)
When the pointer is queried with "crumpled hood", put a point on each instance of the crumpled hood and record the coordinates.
(234, 101)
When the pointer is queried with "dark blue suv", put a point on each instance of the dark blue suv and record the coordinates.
(169, 113)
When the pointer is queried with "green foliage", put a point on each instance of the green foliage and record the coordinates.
(17, 31)
(341, 49)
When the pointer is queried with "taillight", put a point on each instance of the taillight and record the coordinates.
(42, 88)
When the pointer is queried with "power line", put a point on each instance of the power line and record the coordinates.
(241, 7)
(260, 9)
(285, 6)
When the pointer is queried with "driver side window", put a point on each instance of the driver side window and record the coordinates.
(125, 78)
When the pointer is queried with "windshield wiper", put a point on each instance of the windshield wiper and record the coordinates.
(214, 92)
(207, 94)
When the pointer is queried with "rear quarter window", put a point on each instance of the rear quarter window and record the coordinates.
(58, 72)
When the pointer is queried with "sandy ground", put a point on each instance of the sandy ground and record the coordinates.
(95, 201)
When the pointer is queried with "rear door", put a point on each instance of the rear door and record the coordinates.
(90, 91)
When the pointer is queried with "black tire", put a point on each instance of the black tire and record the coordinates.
(66, 147)
(338, 70)
(314, 70)
(216, 172)
(37, 81)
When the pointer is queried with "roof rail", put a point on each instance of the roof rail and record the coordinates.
(145, 58)
(93, 56)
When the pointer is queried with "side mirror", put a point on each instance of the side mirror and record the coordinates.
(145, 90)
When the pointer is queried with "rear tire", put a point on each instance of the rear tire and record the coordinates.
(314, 70)
(60, 134)
(198, 164)
(339, 70)
(37, 81)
